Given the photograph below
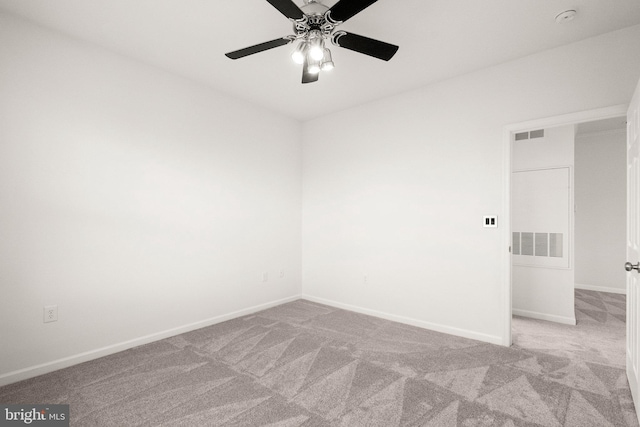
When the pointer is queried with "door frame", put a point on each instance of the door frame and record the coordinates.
(547, 122)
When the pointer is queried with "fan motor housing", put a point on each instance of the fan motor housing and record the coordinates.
(314, 19)
(313, 8)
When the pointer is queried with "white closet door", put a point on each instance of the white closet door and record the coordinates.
(633, 243)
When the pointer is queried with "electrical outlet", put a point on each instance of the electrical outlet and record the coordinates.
(50, 313)
(265, 276)
(365, 279)
(281, 274)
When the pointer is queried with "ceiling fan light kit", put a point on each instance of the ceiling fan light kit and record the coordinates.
(313, 24)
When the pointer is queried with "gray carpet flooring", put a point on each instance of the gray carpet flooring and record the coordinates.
(306, 364)
(599, 336)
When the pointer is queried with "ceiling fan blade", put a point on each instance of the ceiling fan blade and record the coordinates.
(308, 77)
(258, 48)
(362, 44)
(346, 9)
(287, 8)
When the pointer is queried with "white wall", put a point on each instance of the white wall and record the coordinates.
(556, 148)
(142, 203)
(136, 201)
(601, 199)
(544, 288)
(398, 188)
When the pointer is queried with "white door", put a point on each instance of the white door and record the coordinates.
(633, 245)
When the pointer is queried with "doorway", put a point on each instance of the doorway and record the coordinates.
(570, 180)
(508, 137)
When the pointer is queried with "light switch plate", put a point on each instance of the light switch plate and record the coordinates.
(490, 221)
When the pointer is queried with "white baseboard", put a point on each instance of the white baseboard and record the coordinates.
(44, 368)
(492, 339)
(544, 316)
(600, 289)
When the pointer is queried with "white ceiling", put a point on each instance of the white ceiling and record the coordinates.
(438, 39)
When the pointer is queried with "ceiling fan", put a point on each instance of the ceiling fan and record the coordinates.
(313, 23)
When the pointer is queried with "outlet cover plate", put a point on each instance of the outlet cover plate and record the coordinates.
(50, 313)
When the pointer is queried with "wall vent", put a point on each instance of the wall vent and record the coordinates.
(555, 245)
(520, 136)
(516, 243)
(536, 133)
(537, 244)
(527, 244)
(542, 244)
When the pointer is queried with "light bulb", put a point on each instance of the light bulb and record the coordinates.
(314, 66)
(316, 49)
(298, 54)
(327, 61)
(298, 57)
(316, 53)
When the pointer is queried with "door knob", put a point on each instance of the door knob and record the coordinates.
(628, 266)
